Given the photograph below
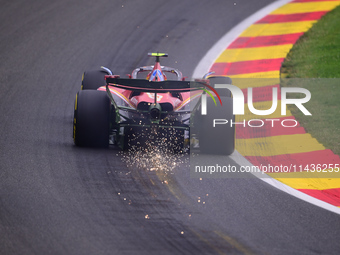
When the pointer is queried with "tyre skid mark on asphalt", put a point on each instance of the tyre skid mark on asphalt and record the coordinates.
(216, 240)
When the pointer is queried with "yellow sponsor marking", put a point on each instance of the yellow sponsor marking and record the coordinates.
(82, 79)
(270, 74)
(76, 102)
(278, 145)
(265, 105)
(247, 54)
(309, 180)
(277, 28)
(306, 7)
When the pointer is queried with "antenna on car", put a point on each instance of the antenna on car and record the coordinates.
(158, 55)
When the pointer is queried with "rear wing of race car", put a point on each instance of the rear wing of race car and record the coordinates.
(154, 86)
(159, 86)
(143, 85)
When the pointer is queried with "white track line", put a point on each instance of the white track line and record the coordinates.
(210, 57)
(204, 66)
(239, 159)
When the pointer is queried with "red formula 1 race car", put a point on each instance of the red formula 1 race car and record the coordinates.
(132, 111)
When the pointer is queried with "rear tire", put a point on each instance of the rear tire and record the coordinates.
(93, 79)
(91, 127)
(221, 138)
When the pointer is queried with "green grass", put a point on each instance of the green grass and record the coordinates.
(317, 55)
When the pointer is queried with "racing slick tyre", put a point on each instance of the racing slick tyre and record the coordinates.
(220, 80)
(221, 138)
(91, 126)
(93, 79)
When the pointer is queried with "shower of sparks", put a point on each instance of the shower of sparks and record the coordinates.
(159, 153)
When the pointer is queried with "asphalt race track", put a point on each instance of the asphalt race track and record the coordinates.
(56, 198)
